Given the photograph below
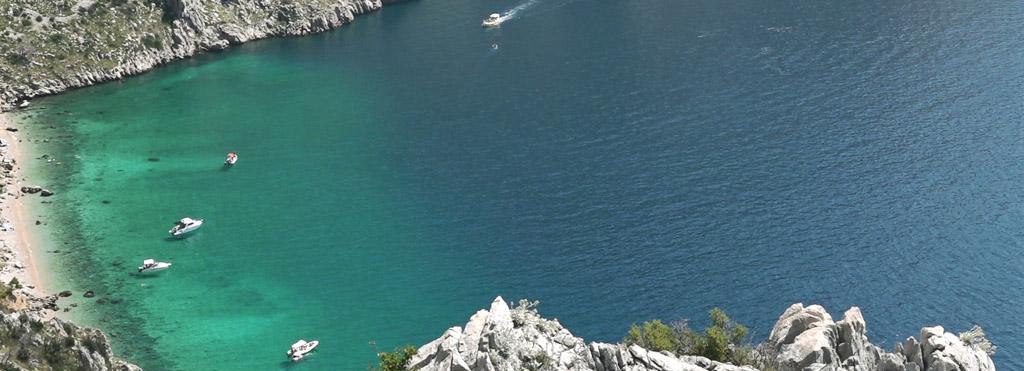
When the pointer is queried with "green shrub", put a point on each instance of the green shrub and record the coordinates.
(16, 59)
(975, 337)
(52, 352)
(153, 41)
(395, 361)
(653, 335)
(723, 340)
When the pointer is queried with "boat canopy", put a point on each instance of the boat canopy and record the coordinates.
(148, 262)
(299, 344)
(187, 220)
(495, 16)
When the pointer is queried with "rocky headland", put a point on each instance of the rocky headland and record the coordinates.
(804, 338)
(49, 46)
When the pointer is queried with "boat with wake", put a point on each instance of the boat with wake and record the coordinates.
(494, 20)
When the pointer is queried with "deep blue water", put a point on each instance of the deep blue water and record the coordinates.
(618, 161)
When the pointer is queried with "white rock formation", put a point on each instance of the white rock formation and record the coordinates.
(804, 338)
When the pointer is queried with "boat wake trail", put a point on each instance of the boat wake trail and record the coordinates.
(512, 13)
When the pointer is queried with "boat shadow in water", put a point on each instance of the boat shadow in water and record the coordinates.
(226, 167)
(289, 364)
(147, 275)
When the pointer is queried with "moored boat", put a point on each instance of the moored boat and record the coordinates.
(185, 225)
(301, 349)
(232, 158)
(150, 265)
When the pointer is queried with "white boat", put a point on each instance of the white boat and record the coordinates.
(24, 104)
(184, 226)
(494, 20)
(232, 158)
(150, 265)
(301, 348)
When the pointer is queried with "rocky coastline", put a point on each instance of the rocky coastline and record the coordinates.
(50, 46)
(31, 337)
(804, 338)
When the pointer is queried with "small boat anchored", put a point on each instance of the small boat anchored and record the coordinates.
(494, 20)
(150, 265)
(185, 225)
(232, 158)
(301, 349)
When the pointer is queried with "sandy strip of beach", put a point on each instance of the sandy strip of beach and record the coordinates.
(22, 255)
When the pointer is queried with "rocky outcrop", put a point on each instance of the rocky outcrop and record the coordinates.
(804, 338)
(55, 45)
(504, 339)
(36, 344)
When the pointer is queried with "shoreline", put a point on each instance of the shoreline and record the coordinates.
(21, 252)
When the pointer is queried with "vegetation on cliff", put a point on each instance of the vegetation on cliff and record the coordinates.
(48, 46)
(724, 340)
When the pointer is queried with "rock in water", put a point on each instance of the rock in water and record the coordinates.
(804, 338)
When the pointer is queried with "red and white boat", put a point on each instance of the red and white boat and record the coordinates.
(232, 158)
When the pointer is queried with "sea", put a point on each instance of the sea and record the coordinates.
(619, 161)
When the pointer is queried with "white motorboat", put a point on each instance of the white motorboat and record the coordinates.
(494, 20)
(301, 348)
(185, 225)
(24, 104)
(150, 265)
(232, 158)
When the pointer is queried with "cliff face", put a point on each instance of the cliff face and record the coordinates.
(30, 343)
(504, 339)
(49, 46)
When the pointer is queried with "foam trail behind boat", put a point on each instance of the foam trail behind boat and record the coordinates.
(511, 14)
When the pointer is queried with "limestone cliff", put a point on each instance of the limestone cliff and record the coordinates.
(49, 46)
(804, 338)
(28, 342)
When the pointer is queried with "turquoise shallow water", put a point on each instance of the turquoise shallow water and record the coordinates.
(617, 161)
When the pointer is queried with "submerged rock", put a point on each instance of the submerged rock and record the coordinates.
(89, 294)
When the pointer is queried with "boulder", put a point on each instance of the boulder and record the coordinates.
(31, 189)
(45, 193)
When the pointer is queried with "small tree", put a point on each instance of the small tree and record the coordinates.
(653, 335)
(395, 361)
